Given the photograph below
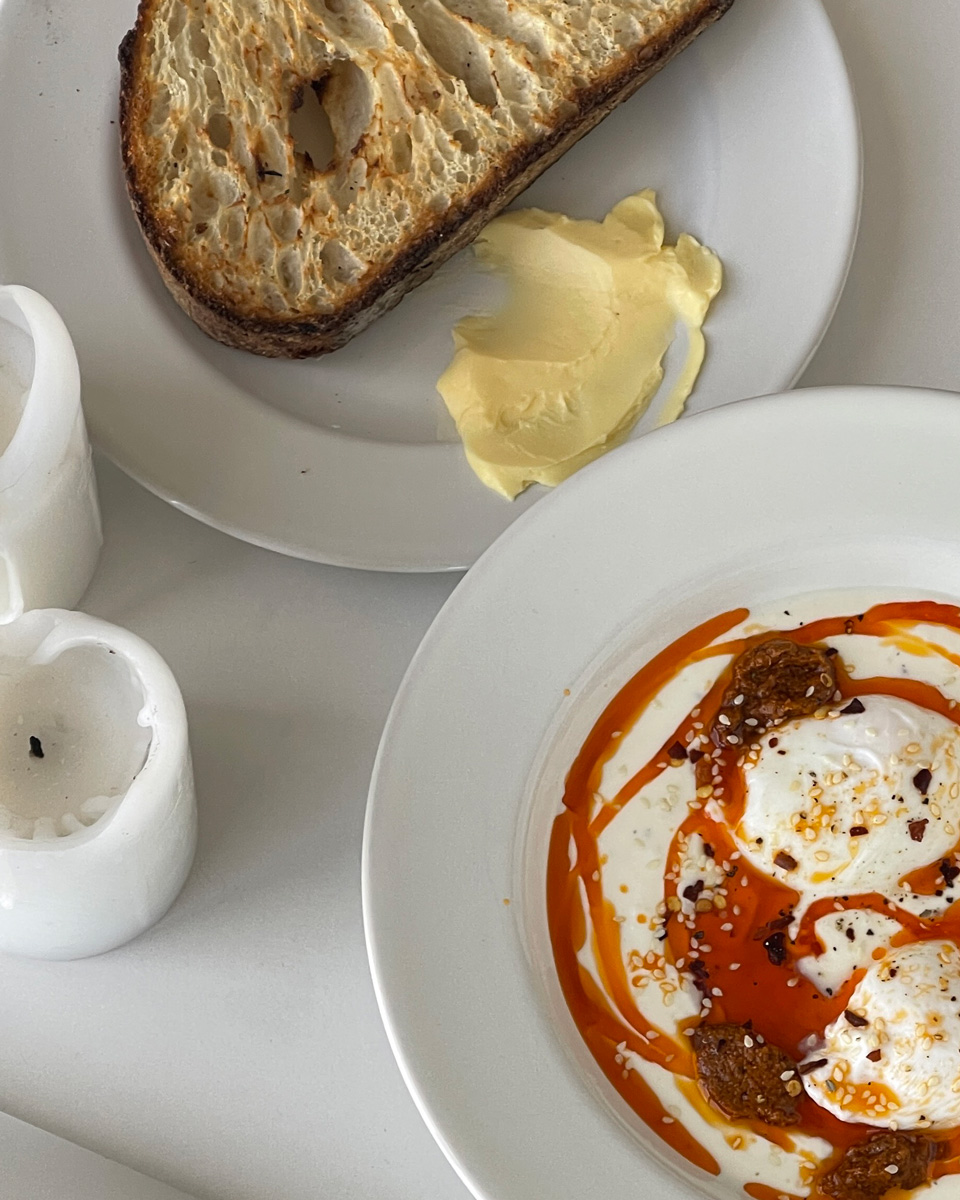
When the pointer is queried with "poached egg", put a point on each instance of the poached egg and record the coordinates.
(893, 1057)
(852, 802)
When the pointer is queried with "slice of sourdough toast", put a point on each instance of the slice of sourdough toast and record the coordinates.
(438, 113)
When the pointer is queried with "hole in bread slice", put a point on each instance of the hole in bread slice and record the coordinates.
(310, 127)
(329, 119)
(219, 130)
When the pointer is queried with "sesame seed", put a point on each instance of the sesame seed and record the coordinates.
(892, 1169)
(723, 719)
(667, 1120)
(810, 690)
(734, 966)
(703, 793)
(748, 1042)
(912, 748)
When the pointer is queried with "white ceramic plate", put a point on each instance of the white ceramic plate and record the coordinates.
(750, 137)
(821, 489)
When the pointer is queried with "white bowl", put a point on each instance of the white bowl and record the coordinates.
(828, 488)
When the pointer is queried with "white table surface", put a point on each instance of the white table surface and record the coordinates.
(235, 1051)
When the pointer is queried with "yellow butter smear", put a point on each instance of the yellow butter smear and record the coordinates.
(563, 371)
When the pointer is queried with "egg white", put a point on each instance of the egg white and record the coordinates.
(841, 805)
(905, 1011)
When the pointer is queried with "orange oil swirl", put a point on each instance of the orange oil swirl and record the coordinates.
(782, 1005)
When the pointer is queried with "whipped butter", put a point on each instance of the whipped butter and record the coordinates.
(566, 367)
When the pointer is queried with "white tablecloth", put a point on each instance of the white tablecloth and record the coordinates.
(235, 1051)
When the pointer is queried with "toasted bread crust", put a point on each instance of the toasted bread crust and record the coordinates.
(426, 248)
